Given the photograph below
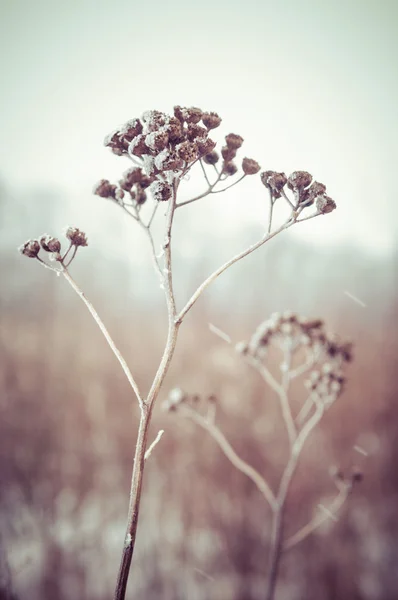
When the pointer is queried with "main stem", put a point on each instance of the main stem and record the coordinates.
(278, 514)
(146, 413)
(278, 526)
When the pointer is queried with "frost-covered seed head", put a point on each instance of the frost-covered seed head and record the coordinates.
(274, 181)
(195, 132)
(161, 191)
(76, 237)
(131, 129)
(174, 128)
(31, 248)
(187, 151)
(137, 146)
(299, 180)
(50, 244)
(211, 120)
(325, 204)
(157, 140)
(205, 146)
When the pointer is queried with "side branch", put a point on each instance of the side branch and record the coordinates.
(317, 521)
(232, 456)
(106, 334)
(228, 264)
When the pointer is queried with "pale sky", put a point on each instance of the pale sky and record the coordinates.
(309, 84)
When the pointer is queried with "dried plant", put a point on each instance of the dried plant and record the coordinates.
(308, 354)
(163, 149)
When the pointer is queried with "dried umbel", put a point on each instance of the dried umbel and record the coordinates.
(52, 247)
(306, 192)
(327, 353)
(164, 147)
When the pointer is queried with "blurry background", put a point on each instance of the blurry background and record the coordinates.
(310, 85)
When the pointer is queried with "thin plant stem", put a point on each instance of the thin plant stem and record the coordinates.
(203, 195)
(281, 391)
(229, 186)
(205, 173)
(304, 411)
(319, 519)
(146, 412)
(278, 515)
(309, 217)
(225, 266)
(232, 456)
(106, 334)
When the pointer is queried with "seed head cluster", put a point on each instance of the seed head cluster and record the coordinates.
(305, 191)
(164, 147)
(329, 354)
(177, 397)
(52, 245)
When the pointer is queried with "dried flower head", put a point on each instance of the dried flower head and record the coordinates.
(233, 141)
(325, 204)
(187, 151)
(299, 180)
(105, 189)
(31, 248)
(274, 181)
(76, 237)
(211, 120)
(161, 191)
(250, 166)
(211, 158)
(205, 146)
(229, 168)
(50, 244)
(228, 153)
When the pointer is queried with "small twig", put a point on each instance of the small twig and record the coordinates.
(154, 443)
(271, 212)
(283, 395)
(204, 173)
(310, 217)
(221, 334)
(152, 215)
(66, 265)
(286, 197)
(304, 411)
(229, 186)
(203, 195)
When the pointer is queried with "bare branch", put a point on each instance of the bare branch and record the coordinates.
(230, 453)
(319, 519)
(225, 266)
(154, 443)
(106, 334)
